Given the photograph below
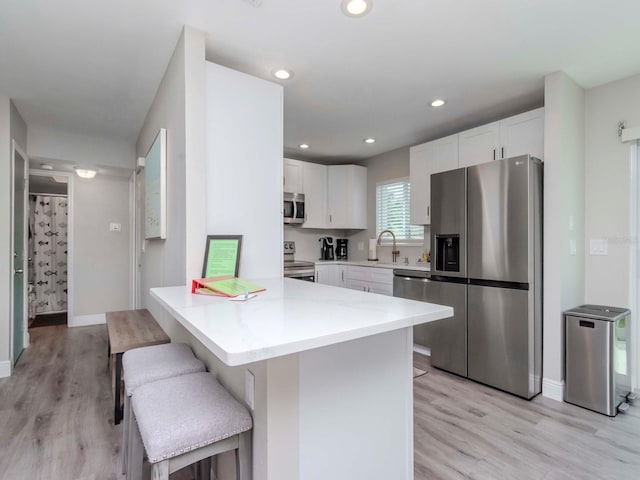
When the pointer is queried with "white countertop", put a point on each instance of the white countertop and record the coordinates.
(425, 267)
(291, 316)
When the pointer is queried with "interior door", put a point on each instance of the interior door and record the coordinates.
(19, 248)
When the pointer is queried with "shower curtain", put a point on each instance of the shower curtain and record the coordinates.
(48, 221)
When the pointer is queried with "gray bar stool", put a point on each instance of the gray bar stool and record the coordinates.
(149, 364)
(184, 420)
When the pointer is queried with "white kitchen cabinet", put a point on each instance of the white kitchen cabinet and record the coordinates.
(522, 134)
(420, 179)
(517, 135)
(347, 196)
(331, 275)
(293, 176)
(370, 279)
(315, 195)
(424, 160)
(479, 145)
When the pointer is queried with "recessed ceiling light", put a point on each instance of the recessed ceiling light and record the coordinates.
(85, 172)
(282, 74)
(46, 166)
(438, 103)
(369, 140)
(303, 146)
(356, 8)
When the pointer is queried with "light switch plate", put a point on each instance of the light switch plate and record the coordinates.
(572, 223)
(249, 388)
(598, 246)
(115, 227)
(572, 247)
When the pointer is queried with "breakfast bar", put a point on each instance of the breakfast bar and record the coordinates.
(326, 371)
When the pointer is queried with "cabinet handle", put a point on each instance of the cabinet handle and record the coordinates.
(284, 180)
(502, 152)
(428, 210)
(342, 275)
(364, 289)
(330, 220)
(494, 153)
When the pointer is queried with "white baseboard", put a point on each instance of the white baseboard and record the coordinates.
(422, 350)
(85, 320)
(553, 389)
(5, 369)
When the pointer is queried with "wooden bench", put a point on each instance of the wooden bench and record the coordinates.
(129, 329)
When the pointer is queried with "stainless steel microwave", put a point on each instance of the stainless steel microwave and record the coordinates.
(293, 207)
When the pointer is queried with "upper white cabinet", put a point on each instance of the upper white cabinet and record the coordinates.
(479, 145)
(315, 195)
(426, 159)
(335, 195)
(517, 135)
(293, 176)
(347, 196)
(522, 134)
(420, 178)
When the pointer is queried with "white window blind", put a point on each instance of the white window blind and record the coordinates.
(393, 211)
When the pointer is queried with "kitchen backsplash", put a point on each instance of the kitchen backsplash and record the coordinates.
(308, 246)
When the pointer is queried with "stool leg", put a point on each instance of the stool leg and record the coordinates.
(136, 451)
(160, 470)
(117, 414)
(125, 431)
(243, 456)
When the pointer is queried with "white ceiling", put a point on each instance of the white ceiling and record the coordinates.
(93, 66)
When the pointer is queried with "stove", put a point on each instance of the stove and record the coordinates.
(300, 270)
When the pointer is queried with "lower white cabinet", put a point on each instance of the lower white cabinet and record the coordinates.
(331, 275)
(370, 279)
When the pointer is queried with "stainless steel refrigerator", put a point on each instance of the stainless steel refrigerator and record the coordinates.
(486, 237)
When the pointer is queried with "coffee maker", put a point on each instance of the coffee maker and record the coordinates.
(341, 248)
(326, 248)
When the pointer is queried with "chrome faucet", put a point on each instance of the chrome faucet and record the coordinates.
(394, 251)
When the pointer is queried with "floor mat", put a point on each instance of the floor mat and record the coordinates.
(49, 319)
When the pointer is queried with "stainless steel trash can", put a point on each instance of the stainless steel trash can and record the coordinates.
(597, 357)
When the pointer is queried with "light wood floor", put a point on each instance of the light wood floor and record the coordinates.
(466, 430)
(56, 423)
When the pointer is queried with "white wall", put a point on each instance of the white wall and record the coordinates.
(307, 244)
(564, 196)
(178, 258)
(608, 193)
(387, 166)
(244, 166)
(607, 187)
(81, 149)
(101, 259)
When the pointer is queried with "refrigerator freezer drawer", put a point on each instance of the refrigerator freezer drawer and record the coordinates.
(503, 350)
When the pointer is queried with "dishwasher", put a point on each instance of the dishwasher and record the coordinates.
(446, 338)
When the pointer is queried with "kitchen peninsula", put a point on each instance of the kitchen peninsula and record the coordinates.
(333, 374)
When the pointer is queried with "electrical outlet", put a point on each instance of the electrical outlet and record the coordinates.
(598, 246)
(249, 388)
(572, 247)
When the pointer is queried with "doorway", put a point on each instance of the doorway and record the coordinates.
(48, 241)
(49, 247)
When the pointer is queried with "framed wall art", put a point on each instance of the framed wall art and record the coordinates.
(222, 256)
(155, 188)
